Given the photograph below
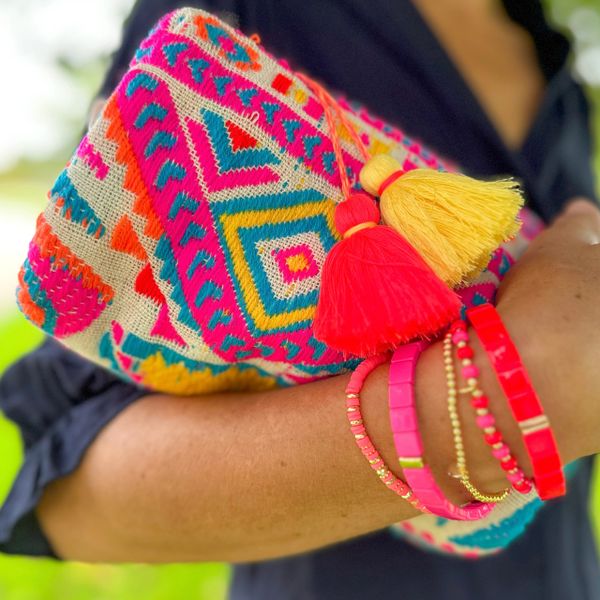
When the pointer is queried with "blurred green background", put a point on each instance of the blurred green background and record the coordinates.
(40, 52)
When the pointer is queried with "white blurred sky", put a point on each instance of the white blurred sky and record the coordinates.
(36, 92)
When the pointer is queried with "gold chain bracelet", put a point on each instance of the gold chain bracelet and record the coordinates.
(461, 460)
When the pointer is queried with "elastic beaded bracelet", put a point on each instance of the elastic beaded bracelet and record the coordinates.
(484, 418)
(361, 437)
(461, 460)
(523, 400)
(403, 419)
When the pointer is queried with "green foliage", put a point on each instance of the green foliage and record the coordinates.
(561, 10)
(23, 337)
(34, 579)
(594, 96)
(28, 182)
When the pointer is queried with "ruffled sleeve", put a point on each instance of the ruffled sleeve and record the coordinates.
(59, 402)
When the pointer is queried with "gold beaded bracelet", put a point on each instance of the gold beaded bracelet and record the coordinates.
(461, 461)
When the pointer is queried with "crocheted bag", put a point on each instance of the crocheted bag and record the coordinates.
(182, 246)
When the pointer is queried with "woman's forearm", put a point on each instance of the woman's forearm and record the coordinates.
(224, 477)
(244, 477)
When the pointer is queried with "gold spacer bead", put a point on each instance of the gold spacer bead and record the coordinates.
(359, 436)
(358, 422)
(411, 462)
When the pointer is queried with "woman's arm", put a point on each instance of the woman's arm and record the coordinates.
(235, 477)
(245, 477)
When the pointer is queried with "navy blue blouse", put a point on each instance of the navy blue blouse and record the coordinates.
(382, 54)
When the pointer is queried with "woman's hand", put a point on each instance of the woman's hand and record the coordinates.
(551, 303)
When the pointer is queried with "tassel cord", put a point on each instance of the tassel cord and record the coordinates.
(332, 109)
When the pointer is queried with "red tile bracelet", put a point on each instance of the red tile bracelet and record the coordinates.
(523, 400)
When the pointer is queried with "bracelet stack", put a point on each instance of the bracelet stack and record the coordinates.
(421, 488)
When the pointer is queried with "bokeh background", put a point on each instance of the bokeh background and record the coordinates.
(53, 54)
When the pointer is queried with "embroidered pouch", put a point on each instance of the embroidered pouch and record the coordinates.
(182, 246)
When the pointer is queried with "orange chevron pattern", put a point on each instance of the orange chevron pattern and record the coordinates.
(133, 182)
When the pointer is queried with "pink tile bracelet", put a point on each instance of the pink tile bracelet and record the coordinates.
(407, 439)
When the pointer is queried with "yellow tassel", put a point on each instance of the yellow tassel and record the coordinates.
(455, 222)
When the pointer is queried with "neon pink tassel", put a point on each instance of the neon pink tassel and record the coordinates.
(376, 291)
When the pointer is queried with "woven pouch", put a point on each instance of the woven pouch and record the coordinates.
(182, 246)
